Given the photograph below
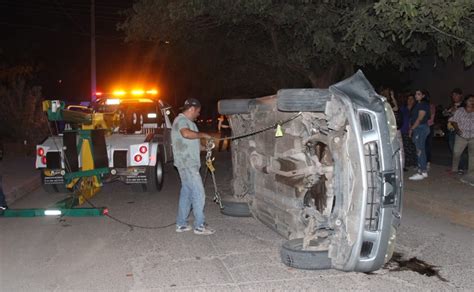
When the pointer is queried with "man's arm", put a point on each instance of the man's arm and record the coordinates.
(190, 134)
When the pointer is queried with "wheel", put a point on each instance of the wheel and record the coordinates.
(293, 255)
(302, 100)
(234, 106)
(236, 209)
(154, 176)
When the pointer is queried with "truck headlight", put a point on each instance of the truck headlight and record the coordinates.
(392, 122)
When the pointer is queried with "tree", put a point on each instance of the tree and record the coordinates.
(316, 41)
(21, 115)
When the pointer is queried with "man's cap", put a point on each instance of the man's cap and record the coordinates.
(191, 102)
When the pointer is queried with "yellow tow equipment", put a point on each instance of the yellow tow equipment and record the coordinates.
(89, 146)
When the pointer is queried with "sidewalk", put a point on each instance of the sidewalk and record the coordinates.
(441, 195)
(19, 177)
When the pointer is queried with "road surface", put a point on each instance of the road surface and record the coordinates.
(97, 253)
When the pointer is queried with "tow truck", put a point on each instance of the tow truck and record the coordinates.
(124, 136)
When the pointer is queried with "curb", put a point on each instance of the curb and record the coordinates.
(15, 193)
(454, 213)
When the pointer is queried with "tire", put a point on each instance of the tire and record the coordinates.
(154, 176)
(236, 209)
(292, 255)
(234, 106)
(302, 100)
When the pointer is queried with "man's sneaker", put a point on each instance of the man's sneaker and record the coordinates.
(204, 231)
(418, 176)
(183, 228)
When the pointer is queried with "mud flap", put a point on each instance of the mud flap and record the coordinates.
(71, 160)
(99, 149)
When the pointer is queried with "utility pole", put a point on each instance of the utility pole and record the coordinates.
(93, 72)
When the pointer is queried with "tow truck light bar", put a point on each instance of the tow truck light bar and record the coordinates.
(119, 92)
(153, 91)
(136, 92)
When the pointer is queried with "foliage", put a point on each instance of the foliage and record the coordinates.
(320, 41)
(20, 105)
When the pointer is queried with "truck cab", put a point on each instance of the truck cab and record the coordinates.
(135, 148)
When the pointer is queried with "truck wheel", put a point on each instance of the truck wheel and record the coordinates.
(234, 106)
(302, 100)
(154, 177)
(236, 209)
(49, 188)
(293, 255)
(155, 174)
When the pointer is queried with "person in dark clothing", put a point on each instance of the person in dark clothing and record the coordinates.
(408, 146)
(224, 129)
(419, 131)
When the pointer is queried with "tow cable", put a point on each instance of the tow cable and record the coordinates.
(210, 167)
(211, 145)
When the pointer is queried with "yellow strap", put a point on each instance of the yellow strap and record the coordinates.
(210, 166)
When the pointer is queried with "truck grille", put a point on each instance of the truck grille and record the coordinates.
(365, 122)
(373, 186)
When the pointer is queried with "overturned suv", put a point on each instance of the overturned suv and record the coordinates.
(331, 183)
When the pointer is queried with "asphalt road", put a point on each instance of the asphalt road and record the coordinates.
(97, 253)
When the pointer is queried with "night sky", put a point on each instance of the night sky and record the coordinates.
(56, 34)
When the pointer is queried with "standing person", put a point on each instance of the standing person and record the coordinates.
(419, 130)
(463, 123)
(408, 146)
(185, 138)
(223, 127)
(456, 100)
(429, 139)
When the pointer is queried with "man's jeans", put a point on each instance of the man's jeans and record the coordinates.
(458, 151)
(191, 195)
(419, 136)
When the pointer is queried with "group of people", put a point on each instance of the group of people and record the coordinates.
(416, 120)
